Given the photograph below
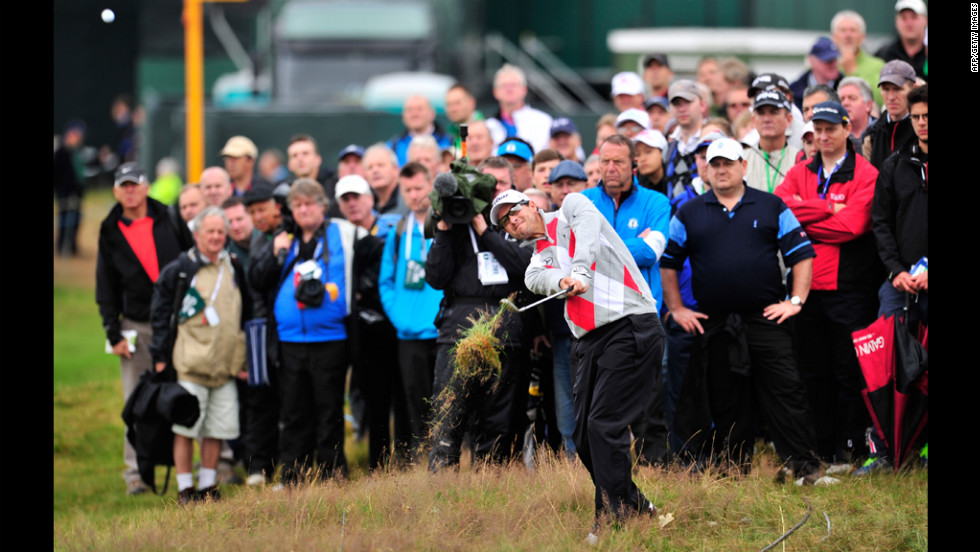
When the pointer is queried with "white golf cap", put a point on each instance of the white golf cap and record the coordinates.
(808, 128)
(651, 137)
(918, 6)
(507, 198)
(727, 148)
(638, 116)
(351, 183)
(627, 82)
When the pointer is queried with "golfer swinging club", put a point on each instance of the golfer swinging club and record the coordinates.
(618, 344)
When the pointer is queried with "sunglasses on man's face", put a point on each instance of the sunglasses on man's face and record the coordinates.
(512, 211)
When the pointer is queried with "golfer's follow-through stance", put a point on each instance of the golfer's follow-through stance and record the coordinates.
(619, 341)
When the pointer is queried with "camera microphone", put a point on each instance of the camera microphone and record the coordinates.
(445, 184)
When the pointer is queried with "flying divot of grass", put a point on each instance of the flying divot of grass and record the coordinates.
(476, 361)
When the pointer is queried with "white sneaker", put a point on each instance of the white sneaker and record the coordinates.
(819, 482)
(592, 539)
(842, 468)
(255, 479)
(825, 481)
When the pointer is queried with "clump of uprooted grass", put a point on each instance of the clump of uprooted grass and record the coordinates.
(489, 507)
(476, 362)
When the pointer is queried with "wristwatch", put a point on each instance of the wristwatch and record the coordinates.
(795, 300)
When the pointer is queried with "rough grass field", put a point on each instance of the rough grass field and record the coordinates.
(496, 508)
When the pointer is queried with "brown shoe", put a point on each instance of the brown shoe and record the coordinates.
(210, 494)
(186, 496)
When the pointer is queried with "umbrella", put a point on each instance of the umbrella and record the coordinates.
(255, 344)
(155, 404)
(894, 364)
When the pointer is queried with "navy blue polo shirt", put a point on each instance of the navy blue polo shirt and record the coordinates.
(734, 267)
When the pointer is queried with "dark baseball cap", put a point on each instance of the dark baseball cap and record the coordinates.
(656, 100)
(832, 112)
(766, 81)
(257, 194)
(659, 58)
(129, 172)
(563, 124)
(352, 148)
(772, 97)
(896, 72)
(825, 50)
(567, 168)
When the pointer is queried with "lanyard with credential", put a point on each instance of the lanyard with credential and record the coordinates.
(473, 240)
(217, 284)
(408, 241)
(824, 185)
(782, 155)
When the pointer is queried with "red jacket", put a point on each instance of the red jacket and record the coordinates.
(847, 258)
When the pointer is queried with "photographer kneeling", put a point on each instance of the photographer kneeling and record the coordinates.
(475, 266)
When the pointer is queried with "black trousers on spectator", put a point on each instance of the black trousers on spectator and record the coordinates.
(260, 434)
(312, 377)
(69, 219)
(378, 376)
(417, 362)
(614, 374)
(493, 412)
(831, 370)
(719, 406)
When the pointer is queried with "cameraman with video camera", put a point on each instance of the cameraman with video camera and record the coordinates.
(476, 266)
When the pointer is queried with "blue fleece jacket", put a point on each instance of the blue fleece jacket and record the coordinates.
(314, 324)
(411, 311)
(644, 208)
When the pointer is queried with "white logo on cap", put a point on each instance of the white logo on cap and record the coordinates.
(511, 147)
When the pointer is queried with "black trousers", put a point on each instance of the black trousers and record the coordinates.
(831, 371)
(260, 434)
(614, 375)
(493, 412)
(417, 362)
(312, 377)
(69, 219)
(378, 377)
(731, 400)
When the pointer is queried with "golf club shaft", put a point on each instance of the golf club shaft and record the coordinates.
(552, 296)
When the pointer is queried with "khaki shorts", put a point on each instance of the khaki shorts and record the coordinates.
(219, 412)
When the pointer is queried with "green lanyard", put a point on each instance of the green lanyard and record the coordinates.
(770, 182)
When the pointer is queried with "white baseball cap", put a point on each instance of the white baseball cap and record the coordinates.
(351, 183)
(638, 116)
(918, 6)
(653, 138)
(509, 197)
(725, 147)
(627, 82)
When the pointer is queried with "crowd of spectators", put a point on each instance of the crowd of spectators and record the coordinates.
(362, 285)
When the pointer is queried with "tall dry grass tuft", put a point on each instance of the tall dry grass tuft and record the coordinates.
(490, 507)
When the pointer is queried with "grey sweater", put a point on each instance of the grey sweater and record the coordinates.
(579, 242)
